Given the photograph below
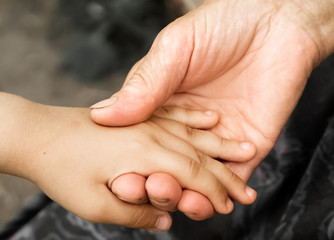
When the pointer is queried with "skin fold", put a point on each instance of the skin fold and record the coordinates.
(75, 161)
(248, 61)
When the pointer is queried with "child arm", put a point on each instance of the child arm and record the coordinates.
(72, 160)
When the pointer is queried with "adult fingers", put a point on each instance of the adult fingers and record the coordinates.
(130, 187)
(99, 205)
(166, 194)
(163, 191)
(195, 206)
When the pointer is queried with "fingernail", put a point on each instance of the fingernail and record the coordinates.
(159, 200)
(163, 223)
(105, 103)
(191, 214)
(208, 113)
(245, 145)
(250, 192)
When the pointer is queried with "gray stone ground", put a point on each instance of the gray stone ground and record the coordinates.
(28, 67)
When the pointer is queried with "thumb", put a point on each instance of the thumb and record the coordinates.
(152, 80)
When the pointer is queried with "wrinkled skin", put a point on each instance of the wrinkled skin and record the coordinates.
(247, 60)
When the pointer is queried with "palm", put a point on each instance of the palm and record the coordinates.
(253, 79)
(242, 59)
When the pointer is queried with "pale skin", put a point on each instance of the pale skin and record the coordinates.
(75, 161)
(247, 60)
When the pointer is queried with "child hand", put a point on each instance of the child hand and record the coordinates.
(72, 160)
(163, 191)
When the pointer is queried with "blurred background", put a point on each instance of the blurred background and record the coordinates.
(72, 53)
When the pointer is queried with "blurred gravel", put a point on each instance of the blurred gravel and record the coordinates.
(47, 48)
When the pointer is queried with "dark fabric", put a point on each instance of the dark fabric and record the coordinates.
(54, 222)
(295, 186)
(29, 212)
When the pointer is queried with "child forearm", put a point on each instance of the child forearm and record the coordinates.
(15, 114)
(27, 128)
(74, 160)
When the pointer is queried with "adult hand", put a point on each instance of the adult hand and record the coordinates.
(247, 60)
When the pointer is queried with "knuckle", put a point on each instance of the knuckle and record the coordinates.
(228, 176)
(202, 158)
(222, 142)
(140, 218)
(233, 178)
(190, 132)
(139, 79)
(220, 190)
(194, 168)
(188, 112)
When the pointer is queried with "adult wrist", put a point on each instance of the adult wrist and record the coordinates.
(316, 18)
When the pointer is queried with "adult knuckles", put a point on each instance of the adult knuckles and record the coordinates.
(142, 218)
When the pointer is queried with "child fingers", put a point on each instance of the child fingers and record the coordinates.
(218, 147)
(163, 191)
(103, 207)
(236, 188)
(192, 174)
(195, 206)
(192, 118)
(212, 144)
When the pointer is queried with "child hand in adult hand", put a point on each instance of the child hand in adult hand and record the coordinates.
(168, 195)
(74, 160)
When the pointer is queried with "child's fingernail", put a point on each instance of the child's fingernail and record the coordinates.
(208, 113)
(250, 192)
(163, 223)
(105, 103)
(245, 145)
(159, 200)
(191, 214)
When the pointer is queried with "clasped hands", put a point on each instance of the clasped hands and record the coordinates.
(247, 61)
(167, 193)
